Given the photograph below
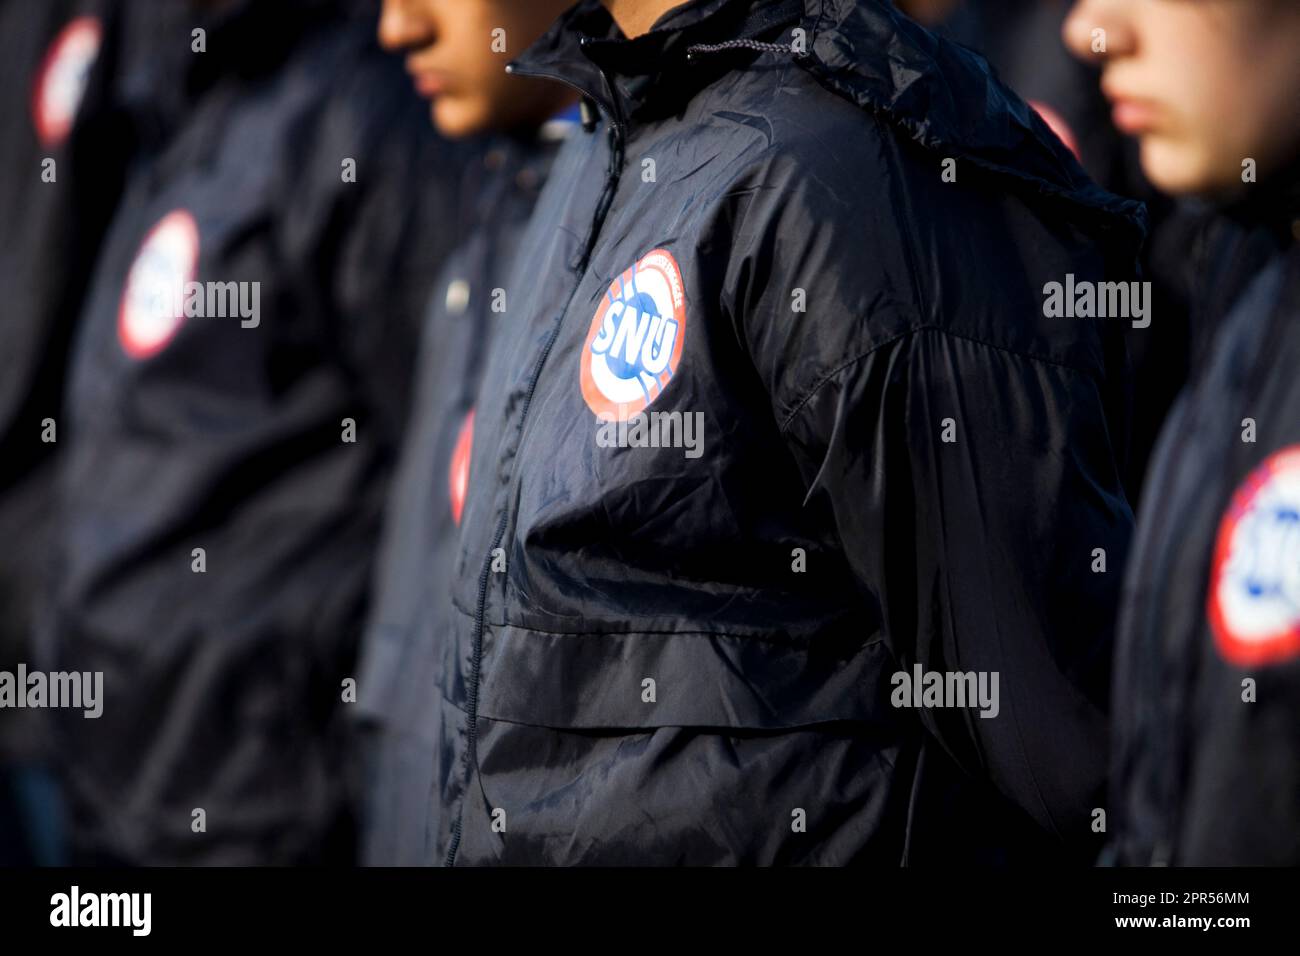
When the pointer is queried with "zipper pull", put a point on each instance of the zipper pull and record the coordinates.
(588, 113)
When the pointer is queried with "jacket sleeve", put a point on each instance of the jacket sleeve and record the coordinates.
(961, 442)
(976, 498)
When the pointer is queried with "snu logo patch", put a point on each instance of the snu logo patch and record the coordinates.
(635, 342)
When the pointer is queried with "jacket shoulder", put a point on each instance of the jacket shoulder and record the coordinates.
(888, 236)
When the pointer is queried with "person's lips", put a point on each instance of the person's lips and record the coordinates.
(427, 82)
(1134, 115)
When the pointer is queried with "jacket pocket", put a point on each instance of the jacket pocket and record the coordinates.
(703, 679)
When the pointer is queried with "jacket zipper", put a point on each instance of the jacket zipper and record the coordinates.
(616, 135)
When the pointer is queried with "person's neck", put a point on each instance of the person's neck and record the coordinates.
(635, 17)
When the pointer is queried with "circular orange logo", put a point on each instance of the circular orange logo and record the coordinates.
(61, 83)
(152, 306)
(1057, 124)
(1254, 599)
(635, 342)
(458, 473)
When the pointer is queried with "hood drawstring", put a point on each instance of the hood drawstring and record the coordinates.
(756, 45)
(757, 24)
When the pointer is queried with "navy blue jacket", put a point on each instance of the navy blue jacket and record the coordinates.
(685, 650)
(263, 439)
(399, 725)
(1207, 684)
(61, 168)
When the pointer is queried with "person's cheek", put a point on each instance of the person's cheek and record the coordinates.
(1197, 148)
(1238, 133)
(499, 96)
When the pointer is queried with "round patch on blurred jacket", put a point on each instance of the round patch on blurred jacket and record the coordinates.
(1057, 124)
(61, 81)
(458, 476)
(1254, 604)
(636, 337)
(153, 302)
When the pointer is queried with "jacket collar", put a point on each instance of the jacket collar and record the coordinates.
(654, 72)
(251, 37)
(1272, 204)
(158, 80)
(934, 92)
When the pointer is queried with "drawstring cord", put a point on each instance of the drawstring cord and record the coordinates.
(756, 45)
(779, 14)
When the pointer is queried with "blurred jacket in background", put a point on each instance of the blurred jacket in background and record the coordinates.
(399, 723)
(1022, 40)
(223, 484)
(63, 156)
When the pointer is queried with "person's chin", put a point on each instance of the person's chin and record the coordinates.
(1180, 169)
(454, 119)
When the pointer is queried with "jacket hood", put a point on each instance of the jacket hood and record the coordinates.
(949, 100)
